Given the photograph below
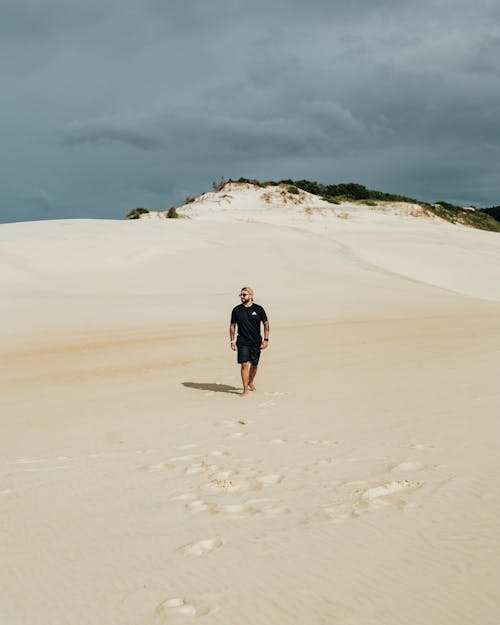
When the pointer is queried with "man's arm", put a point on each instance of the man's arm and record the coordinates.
(232, 330)
(265, 342)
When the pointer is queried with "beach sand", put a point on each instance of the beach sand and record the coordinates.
(358, 485)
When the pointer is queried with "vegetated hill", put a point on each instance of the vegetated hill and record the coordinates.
(494, 212)
(350, 192)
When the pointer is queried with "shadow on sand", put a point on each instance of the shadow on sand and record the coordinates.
(212, 386)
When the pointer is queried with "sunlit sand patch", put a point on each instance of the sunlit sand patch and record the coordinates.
(30, 460)
(183, 497)
(186, 458)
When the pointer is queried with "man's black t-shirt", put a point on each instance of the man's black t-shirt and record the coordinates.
(248, 320)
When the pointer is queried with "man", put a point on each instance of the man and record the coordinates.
(248, 317)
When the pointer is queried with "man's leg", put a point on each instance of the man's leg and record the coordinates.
(251, 376)
(245, 376)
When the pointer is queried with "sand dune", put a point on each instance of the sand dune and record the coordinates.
(356, 485)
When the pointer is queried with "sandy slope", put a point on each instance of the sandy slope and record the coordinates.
(358, 485)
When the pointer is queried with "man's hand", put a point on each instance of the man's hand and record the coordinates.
(233, 346)
(264, 345)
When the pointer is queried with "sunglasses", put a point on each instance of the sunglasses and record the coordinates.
(244, 295)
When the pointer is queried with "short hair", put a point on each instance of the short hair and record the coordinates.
(248, 289)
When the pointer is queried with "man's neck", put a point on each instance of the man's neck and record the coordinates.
(248, 304)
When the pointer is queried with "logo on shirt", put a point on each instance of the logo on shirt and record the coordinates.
(254, 313)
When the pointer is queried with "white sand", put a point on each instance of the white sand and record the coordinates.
(357, 486)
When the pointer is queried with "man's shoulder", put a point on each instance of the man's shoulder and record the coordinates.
(258, 307)
(238, 307)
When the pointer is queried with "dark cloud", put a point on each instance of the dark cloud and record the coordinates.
(132, 132)
(114, 104)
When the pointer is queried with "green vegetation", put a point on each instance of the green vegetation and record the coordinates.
(172, 213)
(458, 215)
(293, 190)
(136, 213)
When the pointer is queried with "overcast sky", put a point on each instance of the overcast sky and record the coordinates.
(107, 105)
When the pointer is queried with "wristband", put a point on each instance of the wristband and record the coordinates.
(266, 340)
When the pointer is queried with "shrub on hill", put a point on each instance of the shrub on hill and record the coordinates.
(136, 213)
(172, 213)
(459, 215)
(494, 212)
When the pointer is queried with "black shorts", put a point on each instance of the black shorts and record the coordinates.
(249, 353)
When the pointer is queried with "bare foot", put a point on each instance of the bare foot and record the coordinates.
(252, 387)
(244, 394)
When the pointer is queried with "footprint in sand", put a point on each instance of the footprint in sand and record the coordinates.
(201, 547)
(338, 514)
(186, 607)
(224, 485)
(199, 467)
(273, 478)
(197, 505)
(278, 441)
(326, 461)
(375, 493)
(218, 453)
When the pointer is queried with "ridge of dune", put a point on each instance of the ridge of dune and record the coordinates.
(242, 200)
(397, 237)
